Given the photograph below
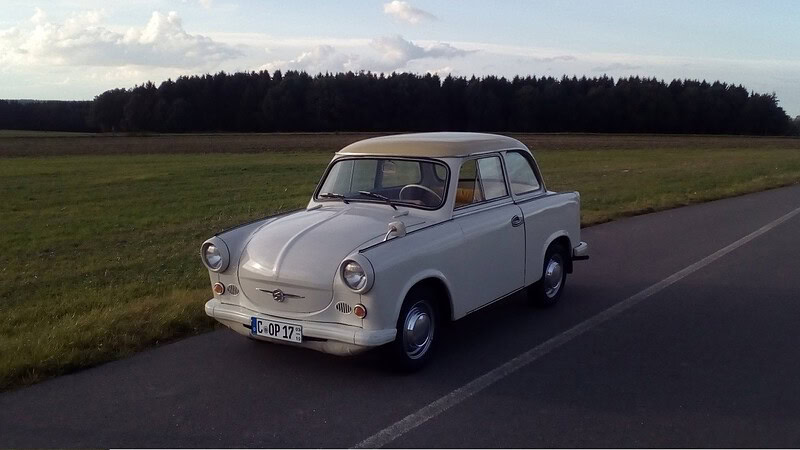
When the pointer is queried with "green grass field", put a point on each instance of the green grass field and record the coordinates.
(100, 252)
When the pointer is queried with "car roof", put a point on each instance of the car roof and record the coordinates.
(441, 144)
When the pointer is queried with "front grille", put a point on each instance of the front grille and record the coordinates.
(344, 308)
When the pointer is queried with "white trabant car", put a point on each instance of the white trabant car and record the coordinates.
(402, 234)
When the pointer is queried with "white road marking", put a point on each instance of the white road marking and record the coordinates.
(475, 386)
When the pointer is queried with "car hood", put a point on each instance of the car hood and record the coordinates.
(301, 252)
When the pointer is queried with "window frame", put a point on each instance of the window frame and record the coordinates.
(476, 157)
(324, 177)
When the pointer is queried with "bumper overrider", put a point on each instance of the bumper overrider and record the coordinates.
(581, 252)
(332, 338)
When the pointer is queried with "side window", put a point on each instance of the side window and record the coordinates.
(469, 188)
(520, 173)
(479, 180)
(491, 174)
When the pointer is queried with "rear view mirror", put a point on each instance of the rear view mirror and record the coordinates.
(396, 229)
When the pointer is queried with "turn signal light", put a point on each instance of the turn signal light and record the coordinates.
(360, 311)
(219, 288)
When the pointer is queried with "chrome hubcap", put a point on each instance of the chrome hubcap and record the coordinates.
(553, 275)
(418, 330)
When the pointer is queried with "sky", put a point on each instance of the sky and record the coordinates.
(76, 49)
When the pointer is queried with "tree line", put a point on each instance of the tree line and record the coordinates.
(45, 115)
(298, 102)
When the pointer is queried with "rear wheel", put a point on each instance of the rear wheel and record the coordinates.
(416, 331)
(547, 291)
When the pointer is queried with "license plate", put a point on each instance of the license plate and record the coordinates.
(276, 330)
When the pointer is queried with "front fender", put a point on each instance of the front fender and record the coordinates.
(401, 263)
(426, 274)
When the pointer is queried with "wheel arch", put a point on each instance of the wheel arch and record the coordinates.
(562, 238)
(436, 283)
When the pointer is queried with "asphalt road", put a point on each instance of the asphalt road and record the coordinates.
(712, 359)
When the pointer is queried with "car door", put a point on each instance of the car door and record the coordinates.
(493, 253)
(528, 192)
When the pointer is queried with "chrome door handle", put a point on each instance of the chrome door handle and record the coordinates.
(516, 221)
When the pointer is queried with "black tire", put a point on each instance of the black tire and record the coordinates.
(409, 353)
(547, 291)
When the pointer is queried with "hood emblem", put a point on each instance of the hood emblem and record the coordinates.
(278, 295)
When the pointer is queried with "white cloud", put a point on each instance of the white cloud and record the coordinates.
(396, 52)
(323, 58)
(442, 71)
(39, 16)
(388, 54)
(81, 40)
(403, 11)
(553, 58)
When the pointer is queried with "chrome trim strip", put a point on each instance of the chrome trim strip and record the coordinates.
(362, 250)
(483, 206)
(539, 196)
(494, 301)
(463, 155)
(284, 293)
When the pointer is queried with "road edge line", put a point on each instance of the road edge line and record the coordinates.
(477, 385)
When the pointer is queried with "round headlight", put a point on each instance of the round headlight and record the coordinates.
(215, 254)
(354, 276)
(213, 257)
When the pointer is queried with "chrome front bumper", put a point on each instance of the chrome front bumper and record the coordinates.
(327, 337)
(580, 252)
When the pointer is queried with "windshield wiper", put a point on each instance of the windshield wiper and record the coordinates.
(379, 197)
(334, 195)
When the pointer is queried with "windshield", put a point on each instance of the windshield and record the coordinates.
(416, 183)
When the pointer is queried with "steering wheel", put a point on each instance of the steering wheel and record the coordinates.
(419, 186)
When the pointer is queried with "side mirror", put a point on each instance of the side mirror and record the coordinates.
(398, 229)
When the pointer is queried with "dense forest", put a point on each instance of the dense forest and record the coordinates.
(297, 101)
(45, 115)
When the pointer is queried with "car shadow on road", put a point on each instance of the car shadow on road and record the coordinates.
(465, 349)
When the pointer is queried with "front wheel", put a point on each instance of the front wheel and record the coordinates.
(548, 289)
(416, 330)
